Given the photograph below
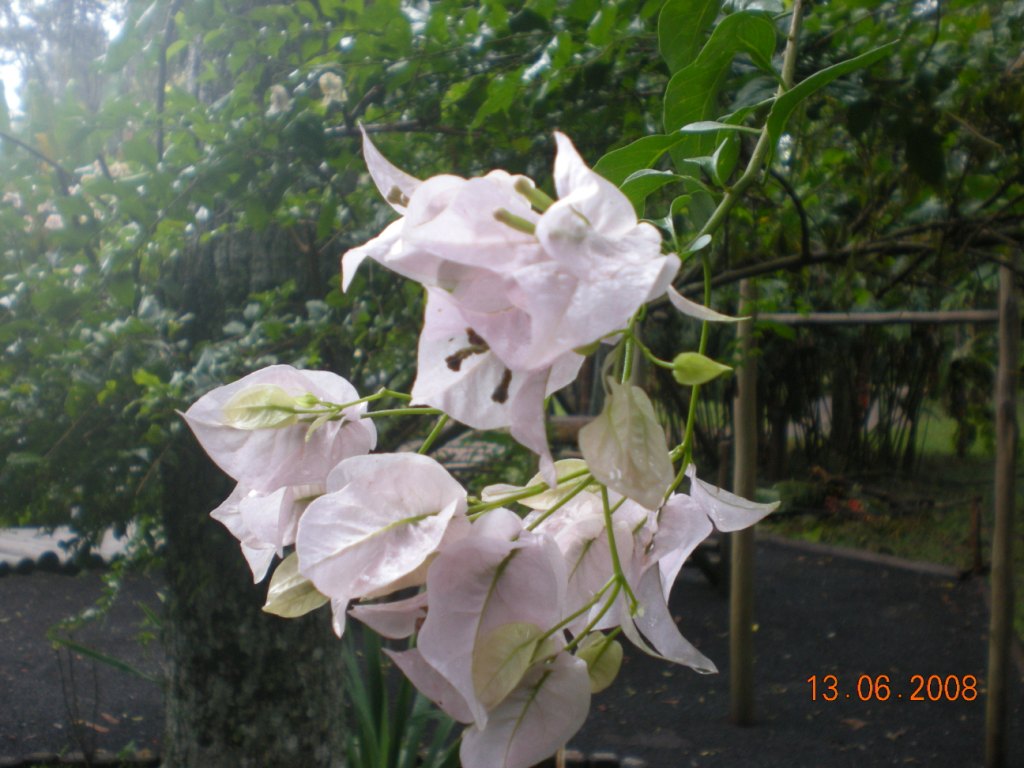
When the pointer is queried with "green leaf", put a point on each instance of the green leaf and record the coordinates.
(692, 93)
(144, 378)
(640, 184)
(680, 26)
(600, 30)
(787, 102)
(603, 658)
(501, 659)
(713, 126)
(619, 164)
(693, 368)
(290, 593)
(723, 162)
(501, 92)
(625, 447)
(261, 406)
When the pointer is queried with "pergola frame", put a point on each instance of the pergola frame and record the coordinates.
(1001, 581)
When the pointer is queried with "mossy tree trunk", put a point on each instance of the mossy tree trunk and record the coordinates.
(244, 688)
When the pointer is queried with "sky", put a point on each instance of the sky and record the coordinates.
(10, 72)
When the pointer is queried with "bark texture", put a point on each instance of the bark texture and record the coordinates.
(244, 689)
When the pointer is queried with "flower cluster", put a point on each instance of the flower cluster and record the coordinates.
(516, 600)
(516, 283)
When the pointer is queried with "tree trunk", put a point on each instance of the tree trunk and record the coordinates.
(244, 688)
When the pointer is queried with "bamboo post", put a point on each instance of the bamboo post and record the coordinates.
(1001, 623)
(741, 602)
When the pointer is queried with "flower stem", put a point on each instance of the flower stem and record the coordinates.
(417, 411)
(434, 433)
(620, 576)
(533, 490)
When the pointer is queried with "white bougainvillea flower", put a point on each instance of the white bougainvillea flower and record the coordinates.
(448, 232)
(601, 265)
(490, 592)
(682, 523)
(459, 374)
(579, 530)
(727, 511)
(625, 447)
(383, 516)
(540, 715)
(263, 523)
(396, 619)
(431, 684)
(265, 449)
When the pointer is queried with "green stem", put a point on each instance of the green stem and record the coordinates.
(577, 489)
(610, 584)
(434, 433)
(685, 450)
(532, 490)
(763, 146)
(404, 412)
(620, 576)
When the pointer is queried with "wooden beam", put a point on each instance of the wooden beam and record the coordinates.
(883, 318)
(1001, 580)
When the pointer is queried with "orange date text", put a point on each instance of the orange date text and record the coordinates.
(883, 688)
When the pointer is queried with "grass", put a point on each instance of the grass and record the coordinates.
(935, 515)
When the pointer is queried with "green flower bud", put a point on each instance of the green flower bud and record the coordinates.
(693, 368)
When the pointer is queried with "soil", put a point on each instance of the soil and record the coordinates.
(818, 612)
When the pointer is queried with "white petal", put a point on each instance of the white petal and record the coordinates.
(431, 684)
(381, 526)
(386, 176)
(657, 625)
(625, 447)
(682, 525)
(268, 459)
(727, 511)
(698, 311)
(396, 619)
(541, 715)
(479, 584)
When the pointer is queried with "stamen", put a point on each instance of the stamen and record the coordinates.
(397, 197)
(477, 346)
(500, 394)
(538, 199)
(517, 223)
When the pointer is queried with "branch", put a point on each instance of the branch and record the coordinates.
(65, 176)
(763, 145)
(805, 235)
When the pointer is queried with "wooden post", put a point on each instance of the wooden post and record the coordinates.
(741, 603)
(1001, 624)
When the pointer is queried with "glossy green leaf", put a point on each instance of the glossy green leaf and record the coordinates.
(640, 184)
(692, 93)
(681, 25)
(787, 102)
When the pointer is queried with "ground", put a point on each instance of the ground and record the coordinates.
(818, 612)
